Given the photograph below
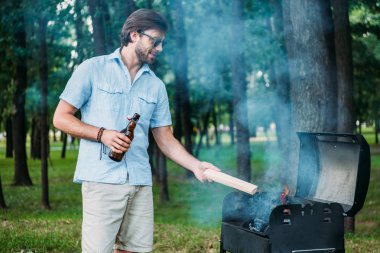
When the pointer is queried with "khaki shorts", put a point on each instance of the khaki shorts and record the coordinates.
(117, 217)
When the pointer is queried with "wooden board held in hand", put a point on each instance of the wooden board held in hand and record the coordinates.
(231, 181)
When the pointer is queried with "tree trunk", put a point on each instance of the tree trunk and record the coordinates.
(178, 128)
(109, 39)
(215, 123)
(54, 135)
(219, 120)
(182, 98)
(199, 144)
(43, 111)
(177, 132)
(149, 4)
(72, 142)
(2, 200)
(377, 130)
(231, 122)
(309, 38)
(280, 78)
(161, 173)
(344, 66)
(239, 87)
(97, 17)
(152, 152)
(207, 137)
(78, 6)
(64, 146)
(131, 6)
(162, 176)
(35, 138)
(203, 132)
(9, 141)
(344, 78)
(182, 90)
(21, 176)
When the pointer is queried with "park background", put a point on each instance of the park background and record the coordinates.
(242, 77)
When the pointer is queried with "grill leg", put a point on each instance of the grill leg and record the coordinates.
(221, 247)
(222, 250)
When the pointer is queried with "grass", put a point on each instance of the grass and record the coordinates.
(190, 222)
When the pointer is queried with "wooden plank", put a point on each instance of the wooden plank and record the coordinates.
(231, 181)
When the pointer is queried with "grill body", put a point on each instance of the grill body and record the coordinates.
(333, 178)
(292, 228)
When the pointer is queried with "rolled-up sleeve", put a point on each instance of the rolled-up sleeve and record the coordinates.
(161, 114)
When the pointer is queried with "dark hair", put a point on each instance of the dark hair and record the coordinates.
(141, 20)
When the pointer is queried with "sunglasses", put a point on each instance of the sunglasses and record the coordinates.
(156, 42)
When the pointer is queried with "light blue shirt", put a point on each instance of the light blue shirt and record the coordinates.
(101, 88)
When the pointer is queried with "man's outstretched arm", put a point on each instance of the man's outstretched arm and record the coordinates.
(174, 150)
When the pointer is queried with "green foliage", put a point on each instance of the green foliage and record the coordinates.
(6, 64)
(365, 23)
(208, 45)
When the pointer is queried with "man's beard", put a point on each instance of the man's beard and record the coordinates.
(142, 54)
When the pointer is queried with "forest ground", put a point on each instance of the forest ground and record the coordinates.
(189, 222)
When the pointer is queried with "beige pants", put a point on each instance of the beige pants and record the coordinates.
(117, 217)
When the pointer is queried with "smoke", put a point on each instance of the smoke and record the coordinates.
(209, 41)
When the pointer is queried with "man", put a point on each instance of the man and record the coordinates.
(117, 196)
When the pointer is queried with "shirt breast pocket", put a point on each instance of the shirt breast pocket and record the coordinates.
(147, 105)
(110, 98)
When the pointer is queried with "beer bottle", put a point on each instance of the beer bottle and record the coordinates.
(129, 132)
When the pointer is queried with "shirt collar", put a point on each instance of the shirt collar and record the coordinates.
(116, 55)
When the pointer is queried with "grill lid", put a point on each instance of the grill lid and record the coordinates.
(334, 168)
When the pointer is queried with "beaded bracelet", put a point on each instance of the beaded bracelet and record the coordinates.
(100, 133)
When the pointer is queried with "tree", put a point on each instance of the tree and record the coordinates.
(377, 129)
(131, 6)
(161, 174)
(182, 109)
(2, 200)
(344, 66)
(64, 144)
(215, 122)
(231, 122)
(203, 131)
(78, 22)
(309, 39)
(43, 20)
(240, 91)
(157, 159)
(97, 12)
(280, 77)
(183, 122)
(366, 62)
(9, 134)
(7, 67)
(35, 138)
(21, 176)
(344, 77)
(81, 53)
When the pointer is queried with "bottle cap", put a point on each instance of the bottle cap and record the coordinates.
(136, 116)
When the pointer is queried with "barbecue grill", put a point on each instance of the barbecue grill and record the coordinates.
(332, 182)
